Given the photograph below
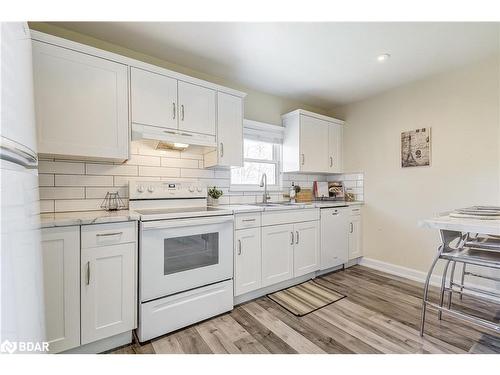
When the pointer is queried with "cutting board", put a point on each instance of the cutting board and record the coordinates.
(304, 195)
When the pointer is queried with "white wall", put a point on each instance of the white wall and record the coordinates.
(462, 108)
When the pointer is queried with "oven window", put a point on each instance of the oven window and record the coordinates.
(190, 252)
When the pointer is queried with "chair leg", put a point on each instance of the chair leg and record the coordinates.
(443, 284)
(426, 290)
(462, 281)
(452, 277)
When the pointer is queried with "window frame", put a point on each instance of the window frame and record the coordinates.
(277, 158)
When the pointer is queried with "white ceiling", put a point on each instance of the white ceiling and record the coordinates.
(321, 64)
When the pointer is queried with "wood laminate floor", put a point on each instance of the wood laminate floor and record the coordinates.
(381, 314)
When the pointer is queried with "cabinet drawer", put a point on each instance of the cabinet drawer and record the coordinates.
(355, 211)
(247, 220)
(108, 234)
(289, 216)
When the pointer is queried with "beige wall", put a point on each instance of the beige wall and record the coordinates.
(259, 106)
(462, 108)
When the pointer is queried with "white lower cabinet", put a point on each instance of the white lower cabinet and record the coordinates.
(107, 291)
(334, 237)
(61, 265)
(355, 243)
(306, 249)
(277, 253)
(247, 260)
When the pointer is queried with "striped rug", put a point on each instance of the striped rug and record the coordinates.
(305, 298)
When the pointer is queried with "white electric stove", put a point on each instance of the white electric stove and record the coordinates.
(185, 256)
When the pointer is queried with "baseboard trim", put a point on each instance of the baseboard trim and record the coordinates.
(417, 275)
(103, 345)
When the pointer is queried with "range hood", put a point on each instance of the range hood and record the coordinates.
(166, 135)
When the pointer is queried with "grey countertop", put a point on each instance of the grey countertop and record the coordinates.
(63, 219)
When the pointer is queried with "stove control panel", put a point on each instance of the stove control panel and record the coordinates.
(166, 189)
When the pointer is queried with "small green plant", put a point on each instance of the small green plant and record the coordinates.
(214, 193)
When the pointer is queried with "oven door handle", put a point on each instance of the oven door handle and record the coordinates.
(174, 223)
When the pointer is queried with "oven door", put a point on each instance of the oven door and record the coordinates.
(181, 254)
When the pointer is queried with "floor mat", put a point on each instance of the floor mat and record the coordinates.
(305, 298)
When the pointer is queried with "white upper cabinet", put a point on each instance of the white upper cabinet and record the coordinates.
(229, 152)
(196, 108)
(335, 133)
(81, 104)
(153, 99)
(312, 144)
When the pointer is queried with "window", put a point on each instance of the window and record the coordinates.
(259, 157)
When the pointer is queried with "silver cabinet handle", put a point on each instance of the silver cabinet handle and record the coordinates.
(109, 234)
(88, 273)
(352, 228)
(221, 149)
(239, 247)
(331, 161)
(186, 134)
(291, 243)
(173, 111)
(303, 159)
(297, 239)
(335, 213)
(248, 220)
(182, 112)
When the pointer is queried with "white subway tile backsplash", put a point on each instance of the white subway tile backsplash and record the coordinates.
(179, 163)
(111, 169)
(46, 206)
(200, 173)
(152, 161)
(100, 192)
(61, 167)
(159, 171)
(75, 180)
(69, 185)
(77, 205)
(45, 179)
(62, 192)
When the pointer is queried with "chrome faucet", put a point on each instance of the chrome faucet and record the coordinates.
(263, 183)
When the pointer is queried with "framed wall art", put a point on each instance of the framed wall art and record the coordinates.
(416, 148)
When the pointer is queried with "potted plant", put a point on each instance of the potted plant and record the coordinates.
(213, 196)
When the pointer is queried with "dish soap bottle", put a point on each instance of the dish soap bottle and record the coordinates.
(292, 193)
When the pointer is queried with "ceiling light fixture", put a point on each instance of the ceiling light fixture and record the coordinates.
(383, 57)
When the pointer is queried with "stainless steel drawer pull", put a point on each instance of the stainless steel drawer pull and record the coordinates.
(88, 273)
(221, 149)
(291, 243)
(173, 111)
(297, 240)
(239, 247)
(352, 228)
(331, 161)
(303, 159)
(109, 234)
(248, 220)
(182, 112)
(187, 134)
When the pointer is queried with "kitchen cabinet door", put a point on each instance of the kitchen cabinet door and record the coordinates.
(277, 253)
(153, 99)
(335, 160)
(81, 104)
(313, 145)
(108, 295)
(334, 237)
(355, 244)
(247, 261)
(229, 130)
(306, 250)
(196, 108)
(61, 267)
